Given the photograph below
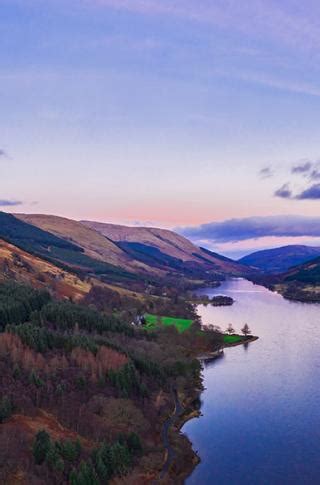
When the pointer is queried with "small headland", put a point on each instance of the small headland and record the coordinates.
(217, 300)
(235, 339)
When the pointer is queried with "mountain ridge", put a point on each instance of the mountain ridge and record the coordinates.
(129, 257)
(168, 242)
(281, 259)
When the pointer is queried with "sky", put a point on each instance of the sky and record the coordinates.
(173, 113)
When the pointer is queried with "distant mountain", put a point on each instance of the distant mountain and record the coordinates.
(279, 260)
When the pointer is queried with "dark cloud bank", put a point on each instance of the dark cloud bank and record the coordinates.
(234, 230)
(311, 193)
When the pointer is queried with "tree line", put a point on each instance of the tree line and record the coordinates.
(18, 302)
(63, 458)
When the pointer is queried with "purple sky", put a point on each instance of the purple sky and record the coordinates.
(171, 112)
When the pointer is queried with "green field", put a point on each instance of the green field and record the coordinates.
(181, 324)
(232, 339)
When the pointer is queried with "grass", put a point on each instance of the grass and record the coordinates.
(181, 324)
(232, 339)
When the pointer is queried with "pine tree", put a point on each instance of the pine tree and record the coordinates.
(6, 408)
(41, 446)
(134, 443)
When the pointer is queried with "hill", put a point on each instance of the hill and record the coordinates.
(26, 268)
(308, 273)
(166, 249)
(93, 244)
(59, 251)
(301, 283)
(279, 260)
(126, 270)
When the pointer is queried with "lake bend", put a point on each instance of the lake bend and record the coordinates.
(260, 420)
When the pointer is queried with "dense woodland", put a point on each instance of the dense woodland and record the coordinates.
(83, 392)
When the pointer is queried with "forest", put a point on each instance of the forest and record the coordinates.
(84, 393)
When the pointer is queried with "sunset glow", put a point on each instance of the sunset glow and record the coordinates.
(159, 113)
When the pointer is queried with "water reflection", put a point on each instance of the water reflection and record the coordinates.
(261, 408)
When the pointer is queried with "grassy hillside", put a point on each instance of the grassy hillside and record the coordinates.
(26, 268)
(57, 250)
(279, 260)
(94, 244)
(30, 237)
(166, 264)
(145, 251)
(124, 254)
(164, 248)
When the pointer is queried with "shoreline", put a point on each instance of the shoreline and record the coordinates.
(174, 423)
(179, 445)
(291, 291)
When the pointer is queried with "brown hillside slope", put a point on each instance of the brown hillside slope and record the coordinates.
(26, 268)
(95, 244)
(100, 240)
(167, 242)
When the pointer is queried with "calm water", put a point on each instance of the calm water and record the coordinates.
(261, 406)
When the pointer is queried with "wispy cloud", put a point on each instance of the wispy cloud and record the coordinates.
(286, 29)
(255, 19)
(145, 6)
(3, 153)
(10, 203)
(264, 18)
(275, 82)
(266, 173)
(302, 167)
(234, 230)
